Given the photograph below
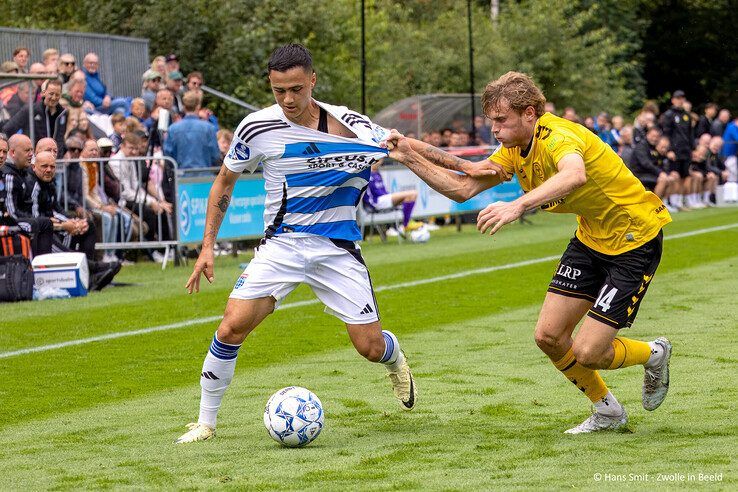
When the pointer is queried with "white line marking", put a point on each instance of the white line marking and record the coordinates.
(414, 283)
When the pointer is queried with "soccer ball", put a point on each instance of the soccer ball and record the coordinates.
(294, 416)
(420, 235)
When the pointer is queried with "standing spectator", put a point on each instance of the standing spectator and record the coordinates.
(20, 57)
(730, 153)
(604, 131)
(50, 119)
(174, 84)
(172, 63)
(192, 142)
(151, 85)
(96, 92)
(570, 114)
(677, 125)
(162, 116)
(7, 92)
(224, 141)
(720, 123)
(66, 67)
(195, 80)
(705, 122)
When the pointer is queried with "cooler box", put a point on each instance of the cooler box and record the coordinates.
(66, 271)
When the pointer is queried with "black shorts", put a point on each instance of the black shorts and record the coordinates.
(615, 284)
(681, 166)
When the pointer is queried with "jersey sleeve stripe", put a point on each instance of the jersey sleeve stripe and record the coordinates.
(258, 130)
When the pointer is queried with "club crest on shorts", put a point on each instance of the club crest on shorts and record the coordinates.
(241, 280)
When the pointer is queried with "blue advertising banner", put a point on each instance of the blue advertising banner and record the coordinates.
(245, 216)
(503, 192)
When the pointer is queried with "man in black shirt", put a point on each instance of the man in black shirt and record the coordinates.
(677, 125)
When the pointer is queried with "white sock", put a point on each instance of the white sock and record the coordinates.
(217, 373)
(706, 196)
(392, 358)
(657, 351)
(676, 200)
(609, 405)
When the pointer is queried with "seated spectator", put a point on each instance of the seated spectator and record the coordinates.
(138, 109)
(9, 91)
(18, 101)
(133, 194)
(47, 145)
(69, 234)
(96, 92)
(72, 190)
(66, 66)
(646, 163)
(644, 121)
(625, 149)
(483, 131)
(446, 137)
(674, 195)
(79, 124)
(119, 128)
(589, 124)
(224, 141)
(730, 153)
(74, 97)
(50, 56)
(37, 69)
(192, 142)
(49, 120)
(715, 162)
(699, 179)
(549, 107)
(15, 161)
(378, 199)
(115, 222)
(21, 54)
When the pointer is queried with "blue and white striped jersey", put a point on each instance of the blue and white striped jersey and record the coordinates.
(313, 180)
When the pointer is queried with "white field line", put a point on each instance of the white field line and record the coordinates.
(414, 283)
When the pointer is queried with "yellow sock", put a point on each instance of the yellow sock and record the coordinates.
(629, 352)
(587, 380)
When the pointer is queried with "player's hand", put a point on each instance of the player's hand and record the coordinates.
(484, 168)
(498, 214)
(398, 145)
(204, 265)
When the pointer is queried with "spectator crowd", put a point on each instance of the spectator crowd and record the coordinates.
(681, 156)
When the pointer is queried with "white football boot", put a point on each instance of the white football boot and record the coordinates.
(656, 378)
(403, 386)
(196, 432)
(598, 422)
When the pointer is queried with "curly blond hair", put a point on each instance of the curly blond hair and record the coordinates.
(517, 89)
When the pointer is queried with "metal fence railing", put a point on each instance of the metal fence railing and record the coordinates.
(131, 214)
(122, 59)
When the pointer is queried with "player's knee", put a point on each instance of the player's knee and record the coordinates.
(232, 328)
(547, 340)
(587, 355)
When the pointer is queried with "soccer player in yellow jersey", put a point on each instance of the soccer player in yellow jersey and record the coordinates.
(609, 263)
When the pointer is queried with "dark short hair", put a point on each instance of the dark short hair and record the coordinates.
(290, 56)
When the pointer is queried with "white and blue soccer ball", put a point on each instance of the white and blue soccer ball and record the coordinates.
(294, 416)
(420, 235)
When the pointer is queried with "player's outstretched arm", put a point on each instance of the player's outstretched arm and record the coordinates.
(218, 201)
(445, 160)
(458, 187)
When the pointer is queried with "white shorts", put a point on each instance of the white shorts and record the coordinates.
(334, 269)
(384, 202)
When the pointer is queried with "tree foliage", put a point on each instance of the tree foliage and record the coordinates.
(585, 53)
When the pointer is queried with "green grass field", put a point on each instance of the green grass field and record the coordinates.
(491, 409)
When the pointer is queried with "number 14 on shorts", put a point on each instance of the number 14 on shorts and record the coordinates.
(605, 298)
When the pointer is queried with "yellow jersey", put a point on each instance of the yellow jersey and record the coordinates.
(614, 211)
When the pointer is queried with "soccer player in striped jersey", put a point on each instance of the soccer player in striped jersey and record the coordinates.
(609, 263)
(316, 160)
